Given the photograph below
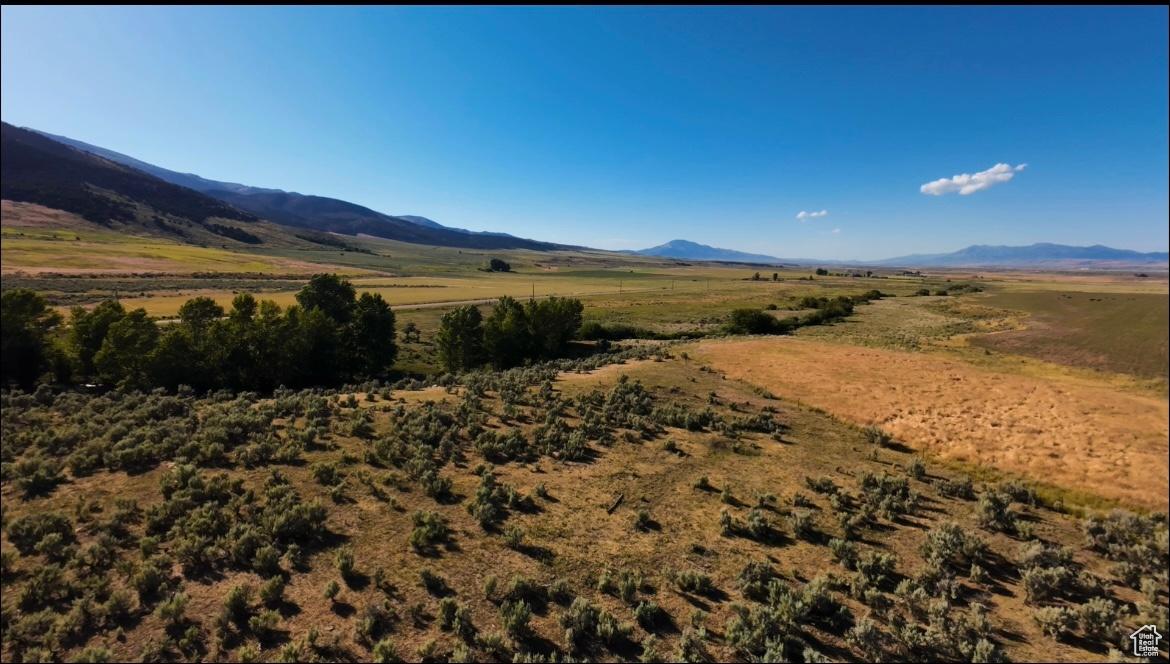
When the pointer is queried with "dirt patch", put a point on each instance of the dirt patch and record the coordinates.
(1078, 436)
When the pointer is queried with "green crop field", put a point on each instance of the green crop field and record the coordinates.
(94, 251)
(1118, 332)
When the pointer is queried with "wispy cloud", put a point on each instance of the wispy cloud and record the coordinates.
(968, 184)
(805, 216)
(836, 231)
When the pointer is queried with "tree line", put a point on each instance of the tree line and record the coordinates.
(329, 336)
(512, 334)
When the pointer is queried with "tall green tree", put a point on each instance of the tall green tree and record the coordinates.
(553, 322)
(331, 294)
(507, 339)
(126, 351)
(87, 331)
(372, 335)
(193, 351)
(460, 339)
(198, 315)
(265, 346)
(176, 361)
(312, 353)
(26, 322)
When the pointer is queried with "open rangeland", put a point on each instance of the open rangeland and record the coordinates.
(692, 510)
(1076, 435)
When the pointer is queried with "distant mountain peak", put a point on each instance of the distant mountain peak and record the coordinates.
(686, 249)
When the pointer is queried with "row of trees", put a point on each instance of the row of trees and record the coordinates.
(512, 333)
(331, 335)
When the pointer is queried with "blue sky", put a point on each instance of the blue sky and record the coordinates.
(625, 128)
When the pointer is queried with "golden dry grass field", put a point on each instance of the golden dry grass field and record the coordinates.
(1069, 434)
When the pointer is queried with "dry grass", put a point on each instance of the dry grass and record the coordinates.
(1065, 433)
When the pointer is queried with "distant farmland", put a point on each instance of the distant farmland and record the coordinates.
(1118, 332)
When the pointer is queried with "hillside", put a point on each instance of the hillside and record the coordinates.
(701, 252)
(189, 180)
(38, 170)
(318, 212)
(336, 216)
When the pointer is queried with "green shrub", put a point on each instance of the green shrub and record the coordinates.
(960, 488)
(1055, 621)
(692, 646)
(514, 617)
(447, 609)
(514, 537)
(1100, 618)
(272, 592)
(430, 528)
(264, 624)
(758, 525)
(171, 610)
(692, 582)
(916, 469)
(843, 552)
(385, 652)
(331, 590)
(801, 524)
(238, 604)
(875, 436)
(343, 561)
(822, 485)
(649, 615)
(754, 580)
(993, 511)
(949, 543)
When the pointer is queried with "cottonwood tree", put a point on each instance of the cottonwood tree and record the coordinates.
(507, 339)
(460, 339)
(26, 346)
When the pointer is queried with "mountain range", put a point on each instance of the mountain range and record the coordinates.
(107, 187)
(1039, 254)
(1036, 255)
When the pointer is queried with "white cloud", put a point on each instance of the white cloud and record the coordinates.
(805, 216)
(968, 184)
(836, 231)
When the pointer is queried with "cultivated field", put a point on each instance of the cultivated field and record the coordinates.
(1116, 331)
